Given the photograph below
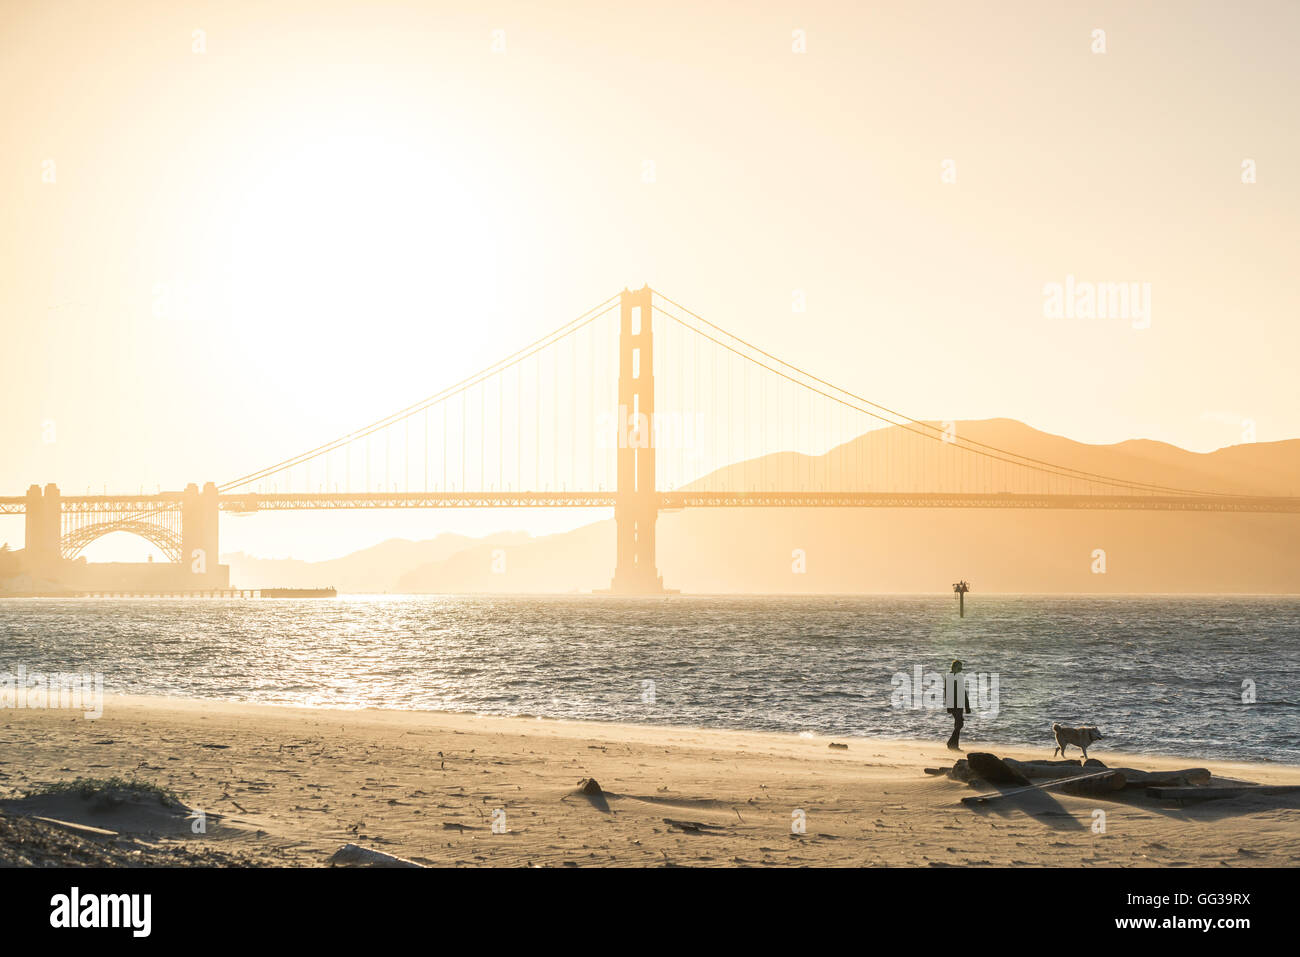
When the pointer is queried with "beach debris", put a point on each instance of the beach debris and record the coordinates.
(693, 827)
(1220, 792)
(1092, 777)
(1133, 777)
(1097, 782)
(993, 769)
(85, 829)
(1032, 769)
(961, 771)
(1186, 777)
(838, 747)
(590, 789)
(354, 855)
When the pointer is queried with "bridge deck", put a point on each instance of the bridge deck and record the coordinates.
(670, 501)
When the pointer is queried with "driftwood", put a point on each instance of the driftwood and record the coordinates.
(694, 827)
(1032, 769)
(1092, 777)
(1133, 777)
(1225, 791)
(1096, 782)
(1187, 777)
(993, 769)
(354, 855)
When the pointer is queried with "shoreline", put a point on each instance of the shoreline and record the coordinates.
(593, 724)
(1011, 747)
(289, 785)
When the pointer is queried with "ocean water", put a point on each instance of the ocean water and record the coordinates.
(1156, 674)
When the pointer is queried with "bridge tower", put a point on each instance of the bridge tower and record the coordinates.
(43, 531)
(636, 507)
(199, 527)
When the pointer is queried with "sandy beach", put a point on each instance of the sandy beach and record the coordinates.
(289, 786)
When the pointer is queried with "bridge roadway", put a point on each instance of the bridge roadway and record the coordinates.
(670, 501)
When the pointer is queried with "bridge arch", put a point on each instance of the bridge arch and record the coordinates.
(166, 540)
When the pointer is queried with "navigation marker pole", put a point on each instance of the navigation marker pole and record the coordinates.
(961, 588)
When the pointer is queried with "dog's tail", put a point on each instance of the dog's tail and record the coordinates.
(1055, 727)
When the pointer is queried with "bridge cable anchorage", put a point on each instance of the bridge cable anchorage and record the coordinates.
(909, 424)
(458, 389)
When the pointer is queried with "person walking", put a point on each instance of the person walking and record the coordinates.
(957, 699)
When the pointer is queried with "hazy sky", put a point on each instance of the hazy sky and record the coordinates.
(223, 247)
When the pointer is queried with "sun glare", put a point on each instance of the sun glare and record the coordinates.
(349, 232)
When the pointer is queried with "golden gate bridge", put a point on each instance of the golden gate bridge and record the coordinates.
(637, 405)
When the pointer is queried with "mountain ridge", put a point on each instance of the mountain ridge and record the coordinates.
(757, 550)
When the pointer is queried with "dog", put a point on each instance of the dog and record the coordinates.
(1079, 737)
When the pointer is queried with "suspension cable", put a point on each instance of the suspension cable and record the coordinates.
(501, 365)
(912, 424)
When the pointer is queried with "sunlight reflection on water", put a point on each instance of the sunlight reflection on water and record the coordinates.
(1157, 674)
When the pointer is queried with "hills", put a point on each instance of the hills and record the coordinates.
(762, 550)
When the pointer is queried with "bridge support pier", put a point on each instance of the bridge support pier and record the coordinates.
(199, 531)
(636, 508)
(43, 531)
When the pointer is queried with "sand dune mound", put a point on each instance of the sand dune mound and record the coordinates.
(38, 842)
(115, 806)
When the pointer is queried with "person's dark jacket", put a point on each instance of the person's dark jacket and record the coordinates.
(950, 693)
